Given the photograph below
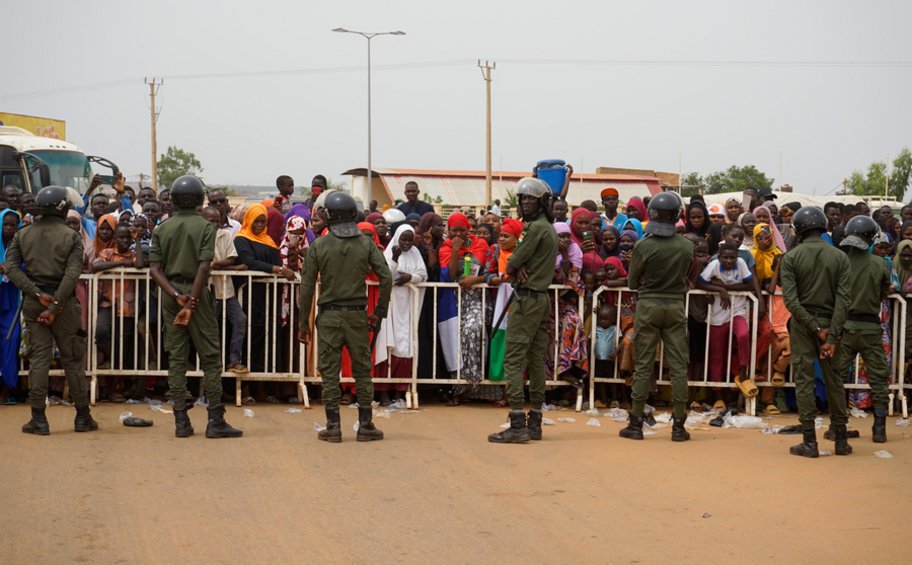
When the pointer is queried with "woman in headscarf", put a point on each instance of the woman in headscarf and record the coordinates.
(696, 219)
(9, 310)
(428, 240)
(636, 209)
(570, 334)
(765, 216)
(379, 222)
(303, 212)
(581, 234)
(104, 233)
(407, 268)
(462, 258)
(496, 275)
(259, 252)
(635, 225)
(275, 221)
(610, 241)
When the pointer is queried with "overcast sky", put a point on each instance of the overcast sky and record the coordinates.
(597, 83)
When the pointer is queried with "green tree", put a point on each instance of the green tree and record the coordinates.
(692, 184)
(176, 162)
(875, 180)
(736, 179)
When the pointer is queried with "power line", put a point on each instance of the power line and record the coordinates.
(466, 62)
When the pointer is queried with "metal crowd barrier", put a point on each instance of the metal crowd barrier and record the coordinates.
(432, 290)
(898, 366)
(272, 352)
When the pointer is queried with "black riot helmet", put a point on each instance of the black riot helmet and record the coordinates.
(340, 211)
(860, 233)
(187, 192)
(52, 200)
(809, 218)
(664, 212)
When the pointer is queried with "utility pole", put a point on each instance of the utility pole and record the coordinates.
(486, 69)
(154, 85)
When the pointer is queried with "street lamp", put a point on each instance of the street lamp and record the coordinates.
(368, 35)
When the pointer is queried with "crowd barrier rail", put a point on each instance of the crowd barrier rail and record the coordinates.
(897, 385)
(272, 352)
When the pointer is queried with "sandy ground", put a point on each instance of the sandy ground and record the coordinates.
(436, 491)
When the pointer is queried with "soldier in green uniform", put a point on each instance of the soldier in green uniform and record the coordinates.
(659, 270)
(532, 268)
(182, 249)
(815, 287)
(44, 261)
(869, 284)
(342, 259)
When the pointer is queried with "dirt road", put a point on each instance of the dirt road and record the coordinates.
(436, 491)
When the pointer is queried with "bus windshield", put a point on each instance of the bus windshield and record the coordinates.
(68, 168)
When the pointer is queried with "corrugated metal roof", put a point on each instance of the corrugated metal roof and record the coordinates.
(467, 188)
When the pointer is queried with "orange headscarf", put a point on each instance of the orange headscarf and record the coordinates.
(111, 220)
(246, 231)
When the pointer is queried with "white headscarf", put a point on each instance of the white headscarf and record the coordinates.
(398, 325)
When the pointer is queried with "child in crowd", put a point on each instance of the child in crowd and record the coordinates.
(698, 309)
(780, 346)
(118, 295)
(728, 317)
(225, 297)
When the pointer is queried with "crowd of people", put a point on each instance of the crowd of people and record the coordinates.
(736, 247)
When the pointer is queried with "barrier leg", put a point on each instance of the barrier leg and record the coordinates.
(579, 400)
(237, 390)
(890, 404)
(415, 399)
(303, 395)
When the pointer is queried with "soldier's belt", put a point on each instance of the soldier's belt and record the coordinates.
(343, 307)
(870, 318)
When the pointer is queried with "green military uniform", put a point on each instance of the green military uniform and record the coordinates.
(180, 245)
(869, 284)
(815, 287)
(527, 333)
(342, 264)
(658, 272)
(52, 257)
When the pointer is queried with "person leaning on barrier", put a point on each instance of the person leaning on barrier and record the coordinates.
(815, 287)
(45, 260)
(869, 284)
(342, 260)
(182, 249)
(532, 267)
(659, 270)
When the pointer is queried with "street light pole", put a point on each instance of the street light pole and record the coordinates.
(368, 36)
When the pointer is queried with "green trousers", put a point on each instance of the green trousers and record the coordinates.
(805, 351)
(868, 344)
(526, 347)
(203, 333)
(660, 319)
(71, 341)
(342, 328)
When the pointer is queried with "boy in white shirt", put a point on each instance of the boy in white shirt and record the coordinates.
(728, 317)
(225, 255)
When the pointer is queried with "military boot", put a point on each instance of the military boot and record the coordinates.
(634, 429)
(807, 448)
(842, 441)
(678, 433)
(367, 431)
(879, 429)
(218, 427)
(84, 421)
(516, 433)
(830, 434)
(534, 424)
(333, 431)
(182, 427)
(38, 425)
